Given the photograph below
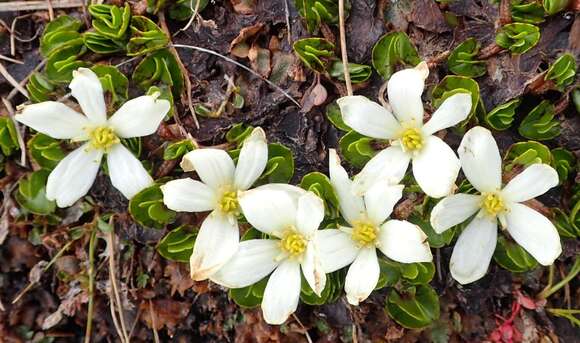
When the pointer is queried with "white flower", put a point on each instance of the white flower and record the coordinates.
(74, 175)
(218, 237)
(481, 164)
(435, 165)
(291, 216)
(370, 230)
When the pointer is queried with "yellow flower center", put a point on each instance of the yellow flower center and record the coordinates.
(229, 202)
(103, 138)
(412, 139)
(364, 233)
(492, 203)
(293, 242)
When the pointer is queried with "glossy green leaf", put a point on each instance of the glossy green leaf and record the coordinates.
(564, 225)
(39, 88)
(436, 240)
(280, 166)
(45, 151)
(576, 99)
(31, 194)
(518, 37)
(320, 185)
(392, 49)
(509, 255)
(317, 11)
(358, 72)
(554, 6)
(250, 296)
(101, 44)
(356, 148)
(110, 20)
(115, 84)
(563, 71)
(463, 59)
(146, 37)
(159, 67)
(413, 308)
(177, 149)
(59, 33)
(502, 116)
(8, 136)
(389, 275)
(183, 9)
(453, 84)
(331, 292)
(62, 62)
(527, 12)
(335, 117)
(238, 133)
(177, 245)
(315, 53)
(527, 153)
(564, 162)
(147, 208)
(540, 123)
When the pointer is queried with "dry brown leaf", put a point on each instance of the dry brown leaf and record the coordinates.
(239, 47)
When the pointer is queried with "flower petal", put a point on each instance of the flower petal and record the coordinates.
(252, 160)
(368, 118)
(534, 181)
(380, 200)
(312, 269)
(336, 249)
(127, 173)
(473, 250)
(217, 241)
(282, 293)
(362, 276)
(390, 164)
(404, 242)
(309, 214)
(214, 166)
(187, 195)
(255, 259)
(54, 119)
(436, 167)
(404, 90)
(351, 206)
(452, 111)
(534, 232)
(480, 159)
(87, 89)
(140, 116)
(268, 210)
(453, 210)
(73, 176)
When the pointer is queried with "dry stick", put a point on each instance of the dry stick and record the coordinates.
(13, 60)
(308, 338)
(113, 278)
(13, 33)
(14, 91)
(12, 81)
(50, 10)
(91, 306)
(153, 322)
(19, 138)
(192, 18)
(27, 5)
(343, 47)
(211, 52)
(114, 316)
(287, 11)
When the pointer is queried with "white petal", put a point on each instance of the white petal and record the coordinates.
(127, 173)
(293, 192)
(217, 241)
(452, 111)
(453, 210)
(480, 159)
(351, 206)
(187, 195)
(362, 276)
(380, 200)
(54, 119)
(534, 232)
(254, 260)
(404, 242)
(336, 249)
(436, 167)
(270, 211)
(309, 214)
(312, 269)
(73, 176)
(252, 160)
(214, 166)
(404, 89)
(368, 118)
(534, 181)
(390, 164)
(282, 293)
(140, 116)
(473, 250)
(86, 88)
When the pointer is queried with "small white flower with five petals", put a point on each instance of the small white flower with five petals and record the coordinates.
(481, 164)
(74, 175)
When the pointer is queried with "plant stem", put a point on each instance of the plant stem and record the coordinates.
(90, 310)
(566, 313)
(571, 275)
(343, 47)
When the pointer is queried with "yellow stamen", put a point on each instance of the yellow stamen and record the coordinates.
(229, 202)
(293, 242)
(364, 233)
(412, 139)
(492, 203)
(103, 138)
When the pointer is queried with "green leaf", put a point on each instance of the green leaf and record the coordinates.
(159, 67)
(566, 226)
(177, 149)
(315, 53)
(453, 84)
(518, 37)
(182, 9)
(101, 44)
(563, 71)
(110, 20)
(177, 245)
(462, 60)
(250, 296)
(564, 162)
(59, 33)
(280, 166)
(414, 308)
(540, 123)
(554, 6)
(147, 208)
(238, 133)
(39, 88)
(358, 72)
(31, 193)
(392, 49)
(114, 83)
(320, 185)
(509, 255)
(317, 11)
(335, 117)
(356, 148)
(45, 151)
(62, 62)
(436, 240)
(527, 153)
(389, 275)
(8, 136)
(146, 37)
(331, 292)
(576, 99)
(527, 12)
(502, 116)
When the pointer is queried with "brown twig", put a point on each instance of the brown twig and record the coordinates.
(9, 59)
(505, 14)
(12, 81)
(113, 278)
(50, 10)
(436, 60)
(489, 51)
(343, 47)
